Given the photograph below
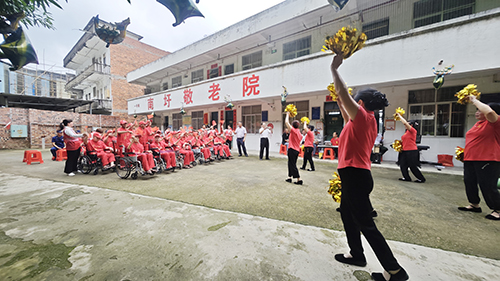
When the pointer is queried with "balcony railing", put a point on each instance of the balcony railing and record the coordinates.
(97, 68)
(98, 106)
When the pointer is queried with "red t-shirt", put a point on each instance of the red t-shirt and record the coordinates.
(482, 142)
(97, 146)
(294, 139)
(356, 141)
(335, 141)
(409, 140)
(309, 139)
(123, 138)
(137, 148)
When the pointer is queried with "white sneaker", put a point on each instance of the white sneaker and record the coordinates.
(71, 174)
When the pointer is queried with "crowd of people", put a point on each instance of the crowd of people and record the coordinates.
(143, 141)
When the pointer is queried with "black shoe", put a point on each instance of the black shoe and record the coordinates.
(240, 155)
(298, 182)
(403, 179)
(268, 159)
(419, 181)
(302, 168)
(338, 210)
(374, 214)
(400, 276)
(351, 261)
(311, 170)
(246, 155)
(492, 217)
(288, 180)
(471, 209)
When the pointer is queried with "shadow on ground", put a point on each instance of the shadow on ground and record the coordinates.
(424, 214)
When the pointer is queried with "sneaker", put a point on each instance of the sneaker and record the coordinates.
(71, 174)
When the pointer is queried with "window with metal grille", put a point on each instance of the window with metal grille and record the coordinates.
(197, 119)
(164, 86)
(252, 60)
(228, 69)
(427, 12)
(176, 121)
(252, 116)
(302, 111)
(297, 48)
(176, 81)
(376, 29)
(437, 112)
(197, 76)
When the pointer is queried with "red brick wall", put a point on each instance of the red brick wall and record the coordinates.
(125, 57)
(43, 124)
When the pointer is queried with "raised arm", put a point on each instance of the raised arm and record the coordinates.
(489, 113)
(350, 106)
(344, 114)
(407, 125)
(287, 121)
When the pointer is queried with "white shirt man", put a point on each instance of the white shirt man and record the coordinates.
(265, 133)
(241, 134)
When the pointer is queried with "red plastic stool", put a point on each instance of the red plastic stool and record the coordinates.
(283, 149)
(32, 156)
(301, 153)
(328, 154)
(61, 154)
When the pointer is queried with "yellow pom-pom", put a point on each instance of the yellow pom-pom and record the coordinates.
(305, 120)
(400, 111)
(350, 91)
(333, 93)
(459, 153)
(335, 188)
(397, 145)
(292, 109)
(345, 42)
(464, 94)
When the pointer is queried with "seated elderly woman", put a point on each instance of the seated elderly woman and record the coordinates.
(165, 151)
(105, 153)
(144, 156)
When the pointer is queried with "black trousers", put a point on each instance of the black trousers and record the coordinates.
(230, 144)
(264, 144)
(308, 157)
(356, 216)
(293, 172)
(409, 159)
(485, 174)
(241, 144)
(72, 161)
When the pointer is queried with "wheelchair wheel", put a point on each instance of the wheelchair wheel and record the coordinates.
(96, 171)
(134, 175)
(84, 164)
(123, 168)
(202, 161)
(194, 163)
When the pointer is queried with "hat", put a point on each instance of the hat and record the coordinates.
(123, 122)
(142, 123)
(157, 135)
(97, 135)
(59, 131)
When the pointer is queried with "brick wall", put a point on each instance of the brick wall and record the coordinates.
(43, 124)
(125, 57)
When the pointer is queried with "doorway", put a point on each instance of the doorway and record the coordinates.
(333, 120)
(229, 118)
(214, 116)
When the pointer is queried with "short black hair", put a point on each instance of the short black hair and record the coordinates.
(373, 99)
(495, 106)
(295, 124)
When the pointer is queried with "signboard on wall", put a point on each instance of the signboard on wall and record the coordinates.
(18, 131)
(316, 113)
(186, 120)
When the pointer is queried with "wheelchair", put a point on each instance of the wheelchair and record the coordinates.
(89, 162)
(160, 164)
(129, 165)
(198, 157)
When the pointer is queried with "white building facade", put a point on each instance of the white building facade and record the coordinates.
(251, 61)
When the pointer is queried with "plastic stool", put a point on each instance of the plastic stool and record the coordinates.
(61, 154)
(283, 149)
(328, 154)
(32, 156)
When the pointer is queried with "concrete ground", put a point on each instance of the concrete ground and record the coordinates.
(256, 226)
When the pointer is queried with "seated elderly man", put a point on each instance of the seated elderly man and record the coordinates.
(57, 144)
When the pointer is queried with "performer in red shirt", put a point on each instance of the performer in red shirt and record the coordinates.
(308, 147)
(482, 159)
(409, 155)
(102, 151)
(293, 149)
(146, 157)
(356, 142)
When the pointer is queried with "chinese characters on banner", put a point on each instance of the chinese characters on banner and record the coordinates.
(151, 104)
(166, 100)
(250, 85)
(188, 96)
(214, 92)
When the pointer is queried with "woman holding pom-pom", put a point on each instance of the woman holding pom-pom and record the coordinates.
(356, 142)
(293, 149)
(409, 155)
(482, 159)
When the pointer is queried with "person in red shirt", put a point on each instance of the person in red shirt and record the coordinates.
(356, 142)
(335, 142)
(109, 138)
(145, 157)
(167, 156)
(293, 149)
(482, 159)
(228, 133)
(409, 155)
(123, 135)
(96, 145)
(308, 147)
